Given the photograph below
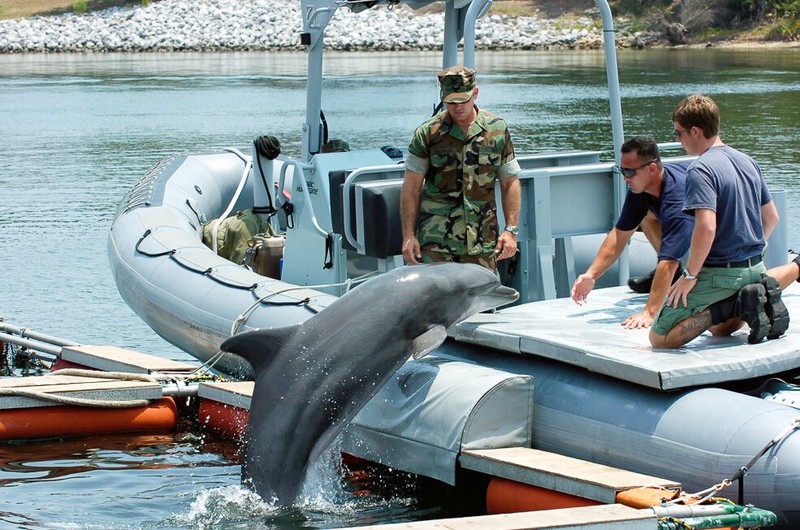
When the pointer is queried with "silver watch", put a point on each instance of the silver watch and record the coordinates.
(513, 229)
(689, 276)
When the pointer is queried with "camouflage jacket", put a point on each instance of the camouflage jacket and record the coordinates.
(458, 211)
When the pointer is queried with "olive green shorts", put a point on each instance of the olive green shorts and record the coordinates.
(713, 284)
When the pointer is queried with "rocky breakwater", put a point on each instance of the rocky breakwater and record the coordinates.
(274, 25)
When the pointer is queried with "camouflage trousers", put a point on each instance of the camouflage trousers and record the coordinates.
(429, 255)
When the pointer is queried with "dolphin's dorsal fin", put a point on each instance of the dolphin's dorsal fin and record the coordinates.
(259, 347)
(428, 341)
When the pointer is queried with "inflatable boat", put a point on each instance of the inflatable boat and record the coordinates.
(716, 413)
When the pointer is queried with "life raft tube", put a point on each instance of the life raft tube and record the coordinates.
(51, 422)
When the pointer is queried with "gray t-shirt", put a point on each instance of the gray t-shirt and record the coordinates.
(730, 183)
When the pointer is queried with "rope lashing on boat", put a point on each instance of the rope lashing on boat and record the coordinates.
(740, 474)
(195, 212)
(702, 496)
(209, 273)
(151, 254)
(264, 300)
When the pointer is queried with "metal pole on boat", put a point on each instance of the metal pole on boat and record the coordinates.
(451, 36)
(49, 349)
(316, 15)
(26, 333)
(477, 8)
(617, 133)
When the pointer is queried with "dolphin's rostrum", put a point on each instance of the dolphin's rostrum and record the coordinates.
(312, 378)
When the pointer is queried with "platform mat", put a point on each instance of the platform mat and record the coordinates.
(591, 336)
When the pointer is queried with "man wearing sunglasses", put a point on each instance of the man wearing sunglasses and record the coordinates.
(656, 196)
(725, 281)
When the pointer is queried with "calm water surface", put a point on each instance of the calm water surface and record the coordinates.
(77, 131)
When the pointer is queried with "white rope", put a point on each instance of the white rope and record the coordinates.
(124, 376)
(247, 165)
(65, 400)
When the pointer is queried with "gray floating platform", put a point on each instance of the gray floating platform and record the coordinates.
(590, 336)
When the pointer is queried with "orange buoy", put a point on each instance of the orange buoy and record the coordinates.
(50, 422)
(225, 419)
(508, 496)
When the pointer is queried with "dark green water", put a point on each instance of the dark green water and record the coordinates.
(76, 132)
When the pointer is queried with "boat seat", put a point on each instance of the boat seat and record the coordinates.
(377, 218)
(374, 212)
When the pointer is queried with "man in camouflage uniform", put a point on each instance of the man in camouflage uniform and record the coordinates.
(448, 203)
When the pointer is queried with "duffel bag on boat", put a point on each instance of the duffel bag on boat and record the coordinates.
(234, 233)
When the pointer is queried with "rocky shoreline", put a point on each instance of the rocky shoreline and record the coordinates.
(274, 25)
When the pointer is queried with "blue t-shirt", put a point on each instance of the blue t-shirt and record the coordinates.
(730, 183)
(676, 226)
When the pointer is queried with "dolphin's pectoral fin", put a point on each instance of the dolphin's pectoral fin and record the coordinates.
(428, 341)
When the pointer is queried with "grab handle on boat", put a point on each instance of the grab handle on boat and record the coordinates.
(348, 183)
(298, 174)
(247, 165)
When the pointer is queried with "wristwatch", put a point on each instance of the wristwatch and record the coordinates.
(513, 229)
(689, 276)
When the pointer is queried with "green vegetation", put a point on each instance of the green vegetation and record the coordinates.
(28, 8)
(772, 19)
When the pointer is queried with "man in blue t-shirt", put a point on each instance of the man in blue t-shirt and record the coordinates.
(725, 281)
(657, 190)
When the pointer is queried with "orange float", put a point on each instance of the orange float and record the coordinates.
(224, 419)
(508, 496)
(50, 422)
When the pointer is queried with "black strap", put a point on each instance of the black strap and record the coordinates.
(288, 209)
(269, 147)
(328, 263)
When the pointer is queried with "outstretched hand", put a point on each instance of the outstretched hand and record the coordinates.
(581, 288)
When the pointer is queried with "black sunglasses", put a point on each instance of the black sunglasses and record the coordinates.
(629, 172)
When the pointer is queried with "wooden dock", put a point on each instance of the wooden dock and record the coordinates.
(561, 473)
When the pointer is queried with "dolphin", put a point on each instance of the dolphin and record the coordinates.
(313, 377)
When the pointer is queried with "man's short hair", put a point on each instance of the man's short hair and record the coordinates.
(645, 148)
(699, 111)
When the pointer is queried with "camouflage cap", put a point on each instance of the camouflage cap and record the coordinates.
(457, 84)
